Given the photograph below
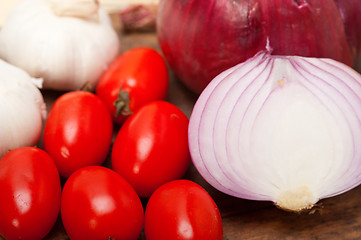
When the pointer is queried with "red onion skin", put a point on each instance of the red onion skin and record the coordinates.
(202, 38)
(350, 11)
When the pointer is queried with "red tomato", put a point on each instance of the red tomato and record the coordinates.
(30, 194)
(136, 77)
(151, 147)
(182, 209)
(78, 131)
(97, 203)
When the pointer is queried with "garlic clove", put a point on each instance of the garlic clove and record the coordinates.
(87, 9)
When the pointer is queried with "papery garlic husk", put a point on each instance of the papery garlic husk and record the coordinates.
(280, 128)
(132, 15)
(22, 108)
(68, 43)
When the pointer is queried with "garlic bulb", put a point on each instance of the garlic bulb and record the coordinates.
(284, 129)
(22, 109)
(68, 43)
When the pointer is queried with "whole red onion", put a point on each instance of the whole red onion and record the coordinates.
(201, 38)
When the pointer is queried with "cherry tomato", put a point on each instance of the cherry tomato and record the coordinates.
(182, 209)
(30, 194)
(138, 76)
(151, 148)
(78, 131)
(97, 203)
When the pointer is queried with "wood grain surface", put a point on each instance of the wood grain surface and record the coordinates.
(335, 218)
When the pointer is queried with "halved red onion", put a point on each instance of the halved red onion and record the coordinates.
(284, 129)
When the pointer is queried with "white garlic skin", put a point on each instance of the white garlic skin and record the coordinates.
(22, 109)
(67, 52)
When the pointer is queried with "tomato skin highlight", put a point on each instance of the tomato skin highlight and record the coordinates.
(97, 203)
(141, 73)
(78, 131)
(30, 194)
(151, 147)
(182, 209)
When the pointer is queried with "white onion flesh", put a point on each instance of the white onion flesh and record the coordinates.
(280, 128)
